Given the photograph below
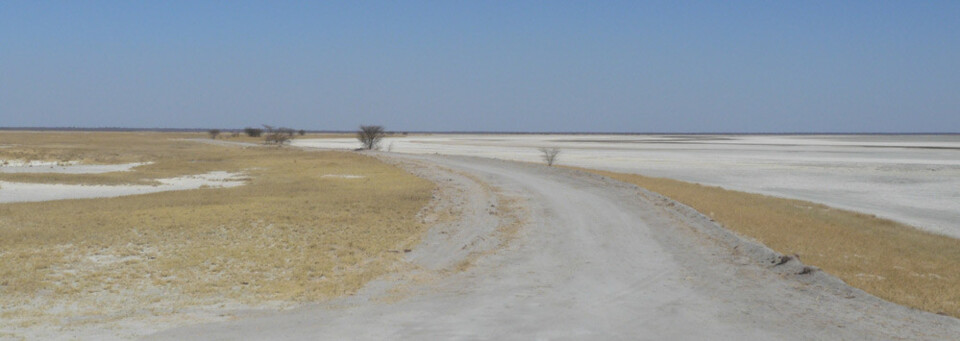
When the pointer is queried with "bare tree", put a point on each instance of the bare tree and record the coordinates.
(550, 155)
(213, 133)
(370, 136)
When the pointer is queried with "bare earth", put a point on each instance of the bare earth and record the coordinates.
(593, 259)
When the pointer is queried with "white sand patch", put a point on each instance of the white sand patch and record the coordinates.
(35, 163)
(30, 192)
(343, 176)
(101, 260)
(68, 167)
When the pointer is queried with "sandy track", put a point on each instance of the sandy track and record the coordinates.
(595, 259)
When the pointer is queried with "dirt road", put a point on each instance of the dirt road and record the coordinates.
(593, 259)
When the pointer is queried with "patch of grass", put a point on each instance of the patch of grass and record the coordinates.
(891, 260)
(171, 155)
(89, 147)
(290, 234)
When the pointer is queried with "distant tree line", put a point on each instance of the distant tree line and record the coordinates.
(270, 134)
(370, 136)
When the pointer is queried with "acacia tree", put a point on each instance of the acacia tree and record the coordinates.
(253, 132)
(370, 136)
(549, 155)
(213, 133)
(278, 136)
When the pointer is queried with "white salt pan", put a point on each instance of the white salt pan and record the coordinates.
(29, 192)
(70, 167)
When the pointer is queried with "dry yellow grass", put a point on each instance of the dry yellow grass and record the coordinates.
(890, 260)
(289, 234)
(171, 153)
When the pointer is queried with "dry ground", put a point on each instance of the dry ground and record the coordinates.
(595, 259)
(290, 234)
(171, 158)
(890, 260)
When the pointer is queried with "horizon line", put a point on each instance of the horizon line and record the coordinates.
(480, 132)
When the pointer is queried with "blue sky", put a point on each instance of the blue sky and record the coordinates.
(593, 66)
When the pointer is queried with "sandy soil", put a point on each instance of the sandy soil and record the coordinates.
(914, 179)
(594, 259)
(28, 192)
